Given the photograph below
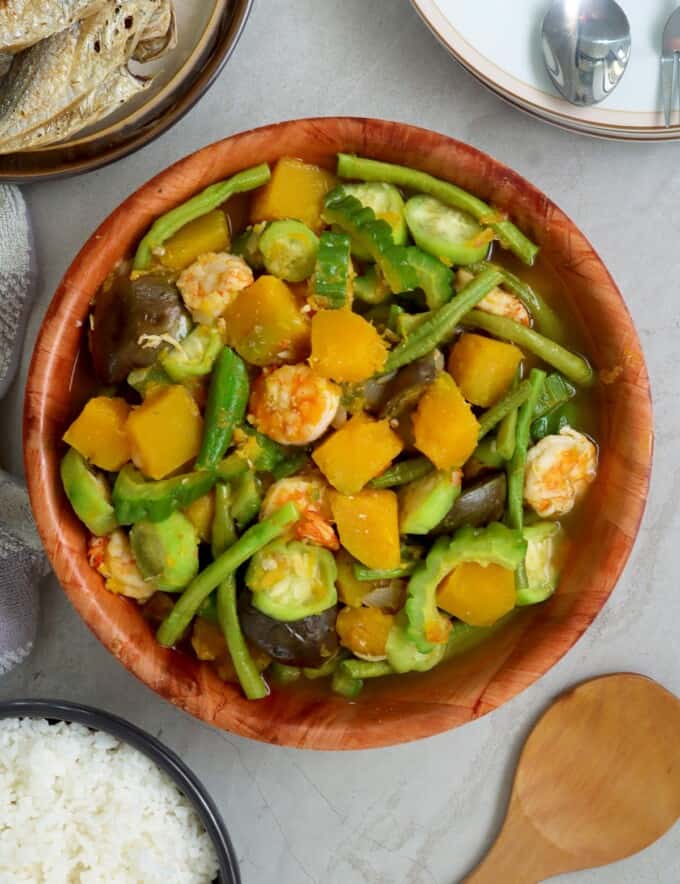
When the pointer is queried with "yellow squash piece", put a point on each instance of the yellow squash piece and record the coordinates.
(364, 631)
(295, 190)
(98, 433)
(165, 431)
(483, 368)
(350, 590)
(209, 233)
(265, 326)
(207, 640)
(368, 525)
(357, 452)
(345, 346)
(444, 426)
(200, 513)
(477, 594)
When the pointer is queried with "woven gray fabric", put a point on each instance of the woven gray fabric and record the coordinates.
(22, 562)
(22, 565)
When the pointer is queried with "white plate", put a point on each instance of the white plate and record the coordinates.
(499, 43)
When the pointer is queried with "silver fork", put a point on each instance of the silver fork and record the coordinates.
(670, 64)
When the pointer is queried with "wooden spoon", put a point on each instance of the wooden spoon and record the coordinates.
(598, 780)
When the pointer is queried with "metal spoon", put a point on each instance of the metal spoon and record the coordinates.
(586, 48)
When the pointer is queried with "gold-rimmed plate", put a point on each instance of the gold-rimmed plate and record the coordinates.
(208, 31)
(499, 44)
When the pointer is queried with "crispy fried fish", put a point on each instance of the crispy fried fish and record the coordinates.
(160, 35)
(120, 86)
(25, 22)
(53, 76)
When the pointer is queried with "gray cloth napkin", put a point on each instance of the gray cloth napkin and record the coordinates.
(22, 561)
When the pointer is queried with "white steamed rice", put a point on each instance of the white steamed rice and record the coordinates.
(80, 806)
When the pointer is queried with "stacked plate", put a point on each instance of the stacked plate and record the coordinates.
(499, 44)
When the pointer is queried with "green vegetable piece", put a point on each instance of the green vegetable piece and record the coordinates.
(166, 552)
(402, 472)
(546, 321)
(371, 287)
(478, 505)
(575, 368)
(223, 532)
(495, 544)
(433, 329)
(292, 580)
(444, 232)
(135, 499)
(284, 674)
(246, 499)
(517, 465)
(252, 683)
(247, 246)
(172, 628)
(510, 236)
(332, 280)
(206, 201)
(549, 416)
(145, 380)
(226, 407)
(361, 669)
(346, 686)
(434, 277)
(402, 653)
(511, 401)
(289, 250)
(507, 429)
(292, 464)
(486, 455)
(464, 638)
(546, 546)
(410, 556)
(424, 502)
(326, 669)
(345, 211)
(387, 204)
(197, 355)
(88, 493)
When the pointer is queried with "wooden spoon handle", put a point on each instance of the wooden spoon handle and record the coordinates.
(520, 855)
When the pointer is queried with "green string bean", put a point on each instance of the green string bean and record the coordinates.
(403, 472)
(250, 679)
(503, 407)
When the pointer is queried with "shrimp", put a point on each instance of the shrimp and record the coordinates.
(113, 558)
(498, 301)
(211, 283)
(293, 405)
(559, 471)
(311, 498)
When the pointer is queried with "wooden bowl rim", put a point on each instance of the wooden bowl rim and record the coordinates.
(41, 464)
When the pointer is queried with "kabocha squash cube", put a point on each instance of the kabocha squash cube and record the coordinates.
(364, 631)
(351, 591)
(483, 368)
(295, 190)
(357, 452)
(201, 513)
(265, 326)
(478, 594)
(165, 432)
(444, 426)
(345, 346)
(368, 526)
(209, 233)
(98, 433)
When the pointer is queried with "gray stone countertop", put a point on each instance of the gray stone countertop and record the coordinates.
(425, 812)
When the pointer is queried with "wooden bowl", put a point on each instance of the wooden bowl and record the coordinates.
(409, 707)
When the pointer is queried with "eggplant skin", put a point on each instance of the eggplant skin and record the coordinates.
(123, 313)
(478, 505)
(307, 642)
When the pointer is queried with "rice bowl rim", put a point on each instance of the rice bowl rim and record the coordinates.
(163, 757)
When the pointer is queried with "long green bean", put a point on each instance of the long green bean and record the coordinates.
(503, 407)
(205, 201)
(431, 331)
(403, 472)
(507, 431)
(171, 629)
(572, 366)
(517, 464)
(547, 322)
(511, 237)
(362, 669)
(250, 679)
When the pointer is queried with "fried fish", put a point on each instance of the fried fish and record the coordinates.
(25, 22)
